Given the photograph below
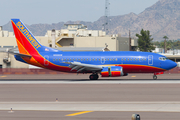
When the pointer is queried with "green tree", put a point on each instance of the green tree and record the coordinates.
(145, 41)
(165, 49)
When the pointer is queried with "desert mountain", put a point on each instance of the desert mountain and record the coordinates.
(162, 18)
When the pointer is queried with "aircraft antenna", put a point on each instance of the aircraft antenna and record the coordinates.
(106, 17)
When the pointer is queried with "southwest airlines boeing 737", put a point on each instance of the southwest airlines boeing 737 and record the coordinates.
(106, 63)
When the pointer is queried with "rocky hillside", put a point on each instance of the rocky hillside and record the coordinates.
(162, 18)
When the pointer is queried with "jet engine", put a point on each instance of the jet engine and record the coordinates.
(113, 71)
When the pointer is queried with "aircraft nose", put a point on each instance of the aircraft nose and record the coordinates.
(173, 64)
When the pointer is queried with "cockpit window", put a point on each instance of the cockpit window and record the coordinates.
(162, 58)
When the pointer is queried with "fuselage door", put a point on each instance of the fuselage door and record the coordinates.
(46, 60)
(150, 60)
(102, 60)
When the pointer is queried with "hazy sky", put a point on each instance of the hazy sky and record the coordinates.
(53, 11)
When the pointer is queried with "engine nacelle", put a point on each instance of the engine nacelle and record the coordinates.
(113, 71)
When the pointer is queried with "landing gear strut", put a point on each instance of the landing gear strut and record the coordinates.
(154, 77)
(94, 77)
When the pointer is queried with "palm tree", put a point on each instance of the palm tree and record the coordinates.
(165, 37)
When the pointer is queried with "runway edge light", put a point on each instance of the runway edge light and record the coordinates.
(135, 117)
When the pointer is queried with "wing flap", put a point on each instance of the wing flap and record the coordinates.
(83, 67)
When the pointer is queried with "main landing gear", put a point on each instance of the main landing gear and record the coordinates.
(94, 76)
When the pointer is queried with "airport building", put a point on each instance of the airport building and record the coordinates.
(73, 37)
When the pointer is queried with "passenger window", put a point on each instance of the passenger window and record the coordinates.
(73, 59)
(124, 59)
(67, 59)
(93, 59)
(78, 59)
(136, 59)
(116, 59)
(121, 59)
(145, 59)
(96, 59)
(128, 59)
(53, 59)
(87, 59)
(81, 59)
(131, 59)
(62, 59)
(70, 59)
(59, 59)
(99, 59)
(110, 59)
(84, 59)
(56, 59)
(90, 59)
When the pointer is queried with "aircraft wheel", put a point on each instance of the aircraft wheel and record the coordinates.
(93, 77)
(96, 76)
(154, 77)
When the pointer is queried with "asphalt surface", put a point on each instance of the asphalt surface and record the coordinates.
(34, 97)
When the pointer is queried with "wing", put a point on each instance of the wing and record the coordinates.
(83, 67)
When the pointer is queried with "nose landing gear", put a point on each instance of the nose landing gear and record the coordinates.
(155, 77)
(94, 76)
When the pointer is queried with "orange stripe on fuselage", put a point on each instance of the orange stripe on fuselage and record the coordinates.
(128, 68)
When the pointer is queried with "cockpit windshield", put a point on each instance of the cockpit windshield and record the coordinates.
(163, 58)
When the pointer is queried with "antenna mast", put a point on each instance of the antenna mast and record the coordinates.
(106, 24)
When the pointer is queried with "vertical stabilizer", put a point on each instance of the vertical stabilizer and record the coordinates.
(26, 42)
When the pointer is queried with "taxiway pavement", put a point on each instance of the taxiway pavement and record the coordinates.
(34, 97)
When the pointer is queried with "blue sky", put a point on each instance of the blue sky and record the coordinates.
(53, 11)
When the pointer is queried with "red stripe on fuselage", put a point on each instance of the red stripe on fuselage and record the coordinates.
(140, 69)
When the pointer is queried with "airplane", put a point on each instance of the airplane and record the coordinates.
(105, 63)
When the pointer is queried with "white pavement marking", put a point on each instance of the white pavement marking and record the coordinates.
(95, 82)
(93, 106)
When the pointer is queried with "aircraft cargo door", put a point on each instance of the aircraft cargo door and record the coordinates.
(150, 60)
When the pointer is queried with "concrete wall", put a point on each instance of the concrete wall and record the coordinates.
(43, 40)
(95, 42)
(11, 41)
(123, 43)
(8, 41)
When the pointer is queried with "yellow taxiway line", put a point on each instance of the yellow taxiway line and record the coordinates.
(3, 76)
(79, 113)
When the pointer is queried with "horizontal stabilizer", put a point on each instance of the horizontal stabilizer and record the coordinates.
(20, 54)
